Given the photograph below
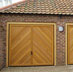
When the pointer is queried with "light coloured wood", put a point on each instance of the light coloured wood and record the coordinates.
(66, 35)
(43, 45)
(54, 44)
(20, 45)
(32, 43)
(66, 45)
(7, 36)
(26, 23)
(70, 43)
(35, 24)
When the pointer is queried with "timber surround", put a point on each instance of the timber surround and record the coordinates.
(31, 24)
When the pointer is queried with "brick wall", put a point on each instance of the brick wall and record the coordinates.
(60, 41)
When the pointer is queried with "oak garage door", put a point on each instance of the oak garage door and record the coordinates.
(70, 43)
(31, 44)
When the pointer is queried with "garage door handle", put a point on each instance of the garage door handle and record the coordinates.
(31, 53)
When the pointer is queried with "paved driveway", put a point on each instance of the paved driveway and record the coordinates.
(39, 69)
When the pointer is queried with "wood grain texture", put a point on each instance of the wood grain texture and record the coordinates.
(31, 45)
(70, 43)
(20, 45)
(43, 45)
(7, 36)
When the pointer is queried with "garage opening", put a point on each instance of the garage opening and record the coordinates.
(30, 44)
(70, 43)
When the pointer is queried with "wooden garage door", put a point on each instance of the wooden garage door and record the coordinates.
(70, 44)
(43, 45)
(31, 45)
(20, 45)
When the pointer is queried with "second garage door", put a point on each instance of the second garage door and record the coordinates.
(31, 45)
(70, 43)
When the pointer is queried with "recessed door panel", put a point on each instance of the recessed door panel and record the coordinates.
(43, 38)
(20, 45)
(70, 44)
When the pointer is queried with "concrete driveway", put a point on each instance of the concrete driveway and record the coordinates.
(39, 69)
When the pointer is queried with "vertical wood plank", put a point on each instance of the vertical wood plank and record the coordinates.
(7, 36)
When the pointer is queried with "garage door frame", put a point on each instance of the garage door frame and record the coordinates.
(7, 36)
(66, 39)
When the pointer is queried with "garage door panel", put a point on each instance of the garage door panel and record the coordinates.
(22, 54)
(15, 31)
(25, 46)
(41, 54)
(14, 38)
(39, 35)
(23, 58)
(19, 45)
(43, 45)
(31, 45)
(70, 44)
